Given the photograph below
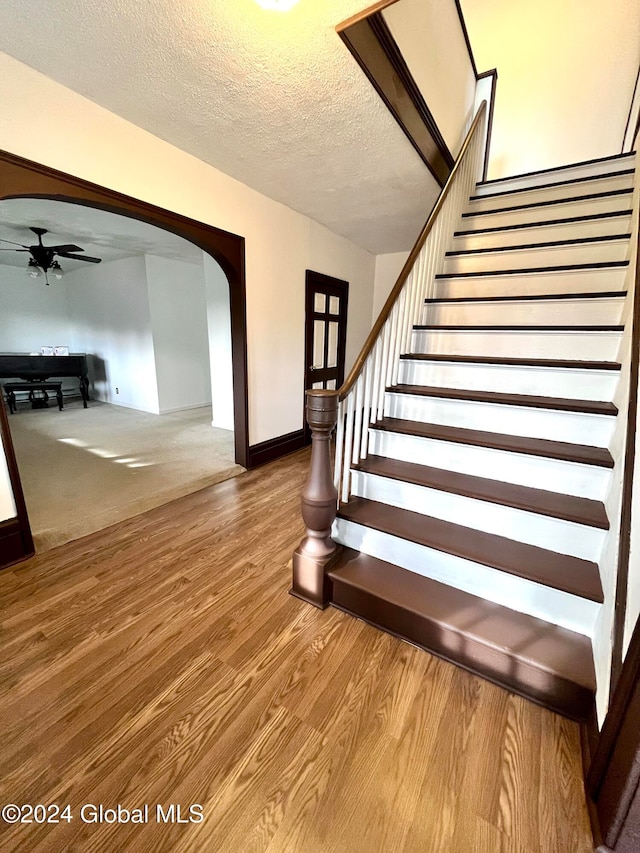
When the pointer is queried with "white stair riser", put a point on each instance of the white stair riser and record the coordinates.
(554, 534)
(598, 346)
(545, 212)
(524, 596)
(599, 280)
(537, 472)
(572, 383)
(576, 253)
(620, 224)
(568, 173)
(535, 195)
(553, 312)
(551, 424)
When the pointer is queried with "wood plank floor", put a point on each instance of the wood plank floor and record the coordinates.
(161, 661)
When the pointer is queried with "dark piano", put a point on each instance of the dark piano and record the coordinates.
(39, 368)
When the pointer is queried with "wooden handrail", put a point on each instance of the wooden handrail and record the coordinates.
(350, 381)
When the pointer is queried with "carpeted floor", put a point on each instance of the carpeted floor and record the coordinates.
(85, 469)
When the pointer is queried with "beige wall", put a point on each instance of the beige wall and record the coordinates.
(566, 74)
(388, 268)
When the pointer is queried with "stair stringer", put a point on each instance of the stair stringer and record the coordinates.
(603, 630)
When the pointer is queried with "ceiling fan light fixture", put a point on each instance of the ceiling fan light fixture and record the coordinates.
(277, 5)
(33, 270)
(56, 270)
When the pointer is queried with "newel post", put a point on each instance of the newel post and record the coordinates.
(319, 504)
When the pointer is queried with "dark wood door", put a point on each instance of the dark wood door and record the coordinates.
(325, 332)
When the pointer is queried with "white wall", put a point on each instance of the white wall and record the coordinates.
(432, 43)
(219, 344)
(111, 319)
(178, 310)
(32, 315)
(388, 268)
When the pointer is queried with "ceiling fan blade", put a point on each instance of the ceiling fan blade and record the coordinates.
(79, 257)
(13, 243)
(2, 249)
(67, 247)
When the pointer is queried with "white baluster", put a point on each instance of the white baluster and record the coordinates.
(339, 448)
(359, 404)
(346, 470)
(383, 367)
(366, 415)
(377, 374)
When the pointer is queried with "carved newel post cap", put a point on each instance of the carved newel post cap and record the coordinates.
(322, 408)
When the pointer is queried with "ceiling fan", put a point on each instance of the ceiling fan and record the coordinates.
(43, 258)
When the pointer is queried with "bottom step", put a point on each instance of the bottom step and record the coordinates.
(544, 663)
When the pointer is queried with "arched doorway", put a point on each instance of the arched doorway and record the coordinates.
(24, 178)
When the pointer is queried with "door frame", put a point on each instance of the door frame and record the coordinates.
(340, 287)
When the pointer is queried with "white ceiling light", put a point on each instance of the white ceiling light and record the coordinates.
(277, 5)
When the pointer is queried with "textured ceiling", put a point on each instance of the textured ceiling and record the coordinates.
(273, 99)
(101, 234)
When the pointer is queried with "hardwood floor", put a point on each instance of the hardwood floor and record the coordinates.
(161, 661)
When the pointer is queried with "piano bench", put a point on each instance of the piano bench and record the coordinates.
(10, 389)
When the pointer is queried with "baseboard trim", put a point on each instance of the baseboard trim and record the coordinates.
(589, 736)
(14, 547)
(188, 408)
(274, 448)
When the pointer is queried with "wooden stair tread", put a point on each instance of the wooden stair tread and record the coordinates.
(566, 451)
(513, 362)
(595, 265)
(610, 158)
(594, 407)
(551, 202)
(526, 297)
(552, 504)
(559, 571)
(553, 184)
(567, 220)
(468, 327)
(549, 244)
(546, 663)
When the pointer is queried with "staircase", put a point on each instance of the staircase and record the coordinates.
(475, 521)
